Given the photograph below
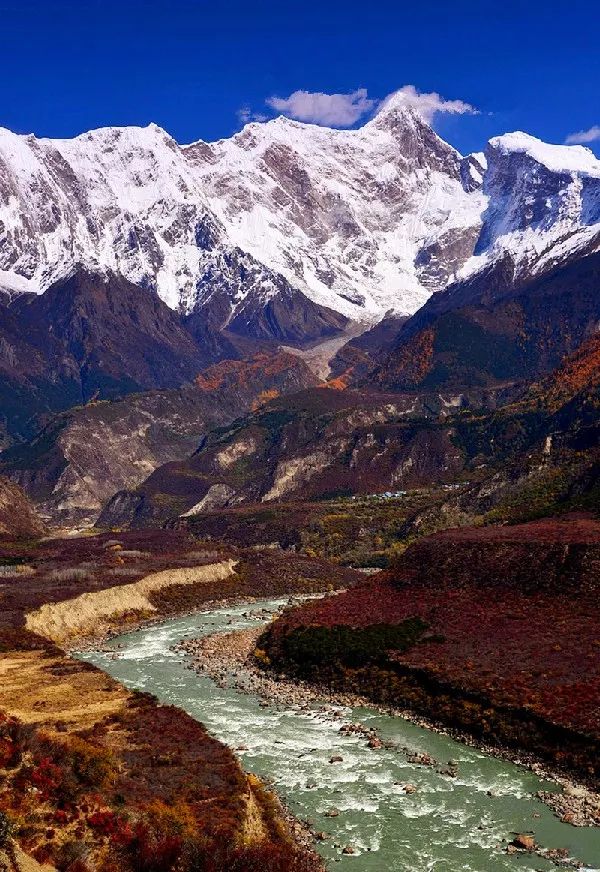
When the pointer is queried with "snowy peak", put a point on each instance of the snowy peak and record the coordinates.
(556, 158)
(543, 201)
(358, 222)
(342, 214)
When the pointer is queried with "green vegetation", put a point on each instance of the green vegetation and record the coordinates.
(5, 829)
(312, 648)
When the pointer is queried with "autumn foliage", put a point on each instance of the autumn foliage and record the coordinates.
(138, 786)
(510, 640)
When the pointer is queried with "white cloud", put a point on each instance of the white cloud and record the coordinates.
(333, 110)
(584, 136)
(344, 110)
(427, 105)
(246, 115)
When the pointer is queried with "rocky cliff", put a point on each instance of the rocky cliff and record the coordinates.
(83, 456)
(18, 518)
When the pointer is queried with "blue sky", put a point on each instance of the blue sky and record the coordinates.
(191, 67)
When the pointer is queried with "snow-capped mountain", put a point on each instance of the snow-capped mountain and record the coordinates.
(543, 203)
(351, 217)
(286, 214)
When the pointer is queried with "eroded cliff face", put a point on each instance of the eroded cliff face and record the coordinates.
(87, 454)
(18, 518)
(92, 614)
(315, 444)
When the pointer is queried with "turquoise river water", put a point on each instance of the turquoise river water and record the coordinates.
(447, 825)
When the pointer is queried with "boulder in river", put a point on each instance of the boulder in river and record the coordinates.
(524, 842)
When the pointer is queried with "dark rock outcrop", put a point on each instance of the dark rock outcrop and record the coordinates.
(18, 518)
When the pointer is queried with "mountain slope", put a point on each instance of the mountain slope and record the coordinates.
(538, 456)
(315, 444)
(88, 335)
(507, 453)
(83, 456)
(543, 202)
(497, 326)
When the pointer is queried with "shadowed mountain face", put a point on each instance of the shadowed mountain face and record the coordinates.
(88, 336)
(357, 358)
(102, 336)
(493, 328)
(245, 300)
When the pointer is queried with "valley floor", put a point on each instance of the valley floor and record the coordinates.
(483, 633)
(94, 774)
(396, 795)
(232, 659)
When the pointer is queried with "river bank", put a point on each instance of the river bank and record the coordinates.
(357, 807)
(227, 658)
(56, 711)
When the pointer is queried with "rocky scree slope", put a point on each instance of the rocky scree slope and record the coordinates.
(314, 444)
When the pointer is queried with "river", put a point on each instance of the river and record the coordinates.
(447, 824)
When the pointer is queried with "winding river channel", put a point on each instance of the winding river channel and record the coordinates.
(447, 825)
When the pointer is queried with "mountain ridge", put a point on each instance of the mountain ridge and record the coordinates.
(359, 222)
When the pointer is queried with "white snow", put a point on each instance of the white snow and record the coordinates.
(558, 158)
(341, 214)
